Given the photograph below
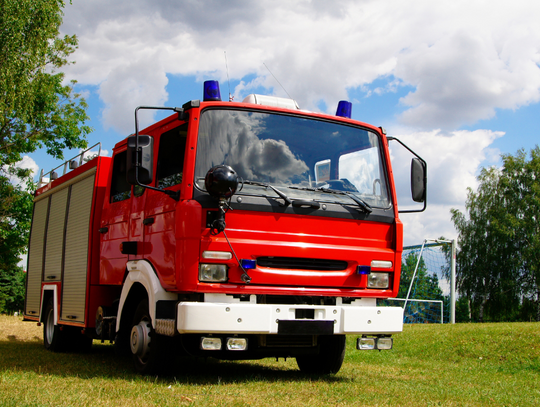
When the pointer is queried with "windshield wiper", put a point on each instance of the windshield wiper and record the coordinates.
(360, 202)
(277, 191)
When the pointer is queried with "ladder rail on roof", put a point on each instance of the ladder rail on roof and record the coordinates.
(72, 162)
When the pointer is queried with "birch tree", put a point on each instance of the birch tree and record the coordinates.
(499, 241)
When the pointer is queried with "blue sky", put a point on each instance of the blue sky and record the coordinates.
(459, 81)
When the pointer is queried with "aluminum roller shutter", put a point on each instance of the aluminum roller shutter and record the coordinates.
(35, 258)
(76, 252)
(55, 236)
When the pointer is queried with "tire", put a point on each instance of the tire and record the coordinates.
(148, 349)
(53, 337)
(121, 344)
(68, 339)
(329, 359)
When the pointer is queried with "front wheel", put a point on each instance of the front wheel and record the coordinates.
(147, 347)
(329, 359)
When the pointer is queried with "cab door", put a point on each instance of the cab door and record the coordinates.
(159, 221)
(115, 223)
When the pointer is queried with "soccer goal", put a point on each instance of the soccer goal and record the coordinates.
(427, 287)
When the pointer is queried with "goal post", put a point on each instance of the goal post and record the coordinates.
(427, 290)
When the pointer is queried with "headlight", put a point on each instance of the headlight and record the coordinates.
(210, 343)
(212, 273)
(378, 280)
(236, 343)
(385, 343)
(365, 343)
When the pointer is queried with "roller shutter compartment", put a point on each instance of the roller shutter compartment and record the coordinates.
(76, 251)
(35, 257)
(55, 235)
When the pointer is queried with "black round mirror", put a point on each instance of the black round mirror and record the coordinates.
(221, 181)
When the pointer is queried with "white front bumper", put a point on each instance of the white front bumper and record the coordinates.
(250, 318)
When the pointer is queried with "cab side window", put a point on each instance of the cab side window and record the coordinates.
(170, 167)
(120, 189)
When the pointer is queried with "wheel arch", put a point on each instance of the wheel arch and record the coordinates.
(141, 282)
(49, 291)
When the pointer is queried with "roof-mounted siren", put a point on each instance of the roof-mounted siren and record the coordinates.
(344, 109)
(211, 92)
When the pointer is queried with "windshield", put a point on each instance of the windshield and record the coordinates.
(297, 155)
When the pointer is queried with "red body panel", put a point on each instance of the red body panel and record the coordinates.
(357, 243)
(177, 235)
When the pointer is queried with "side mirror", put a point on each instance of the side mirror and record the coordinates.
(140, 160)
(418, 180)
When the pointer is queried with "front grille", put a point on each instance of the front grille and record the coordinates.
(295, 263)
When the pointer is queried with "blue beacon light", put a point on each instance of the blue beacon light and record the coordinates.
(364, 270)
(344, 109)
(248, 264)
(211, 91)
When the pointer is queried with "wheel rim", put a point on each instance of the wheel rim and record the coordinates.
(140, 340)
(49, 325)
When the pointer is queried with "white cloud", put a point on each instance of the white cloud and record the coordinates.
(453, 160)
(129, 86)
(463, 58)
(27, 163)
(463, 78)
(90, 154)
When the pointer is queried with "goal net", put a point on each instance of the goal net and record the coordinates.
(425, 286)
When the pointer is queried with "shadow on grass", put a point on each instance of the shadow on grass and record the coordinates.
(17, 356)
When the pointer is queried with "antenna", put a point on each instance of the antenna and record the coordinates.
(231, 97)
(277, 81)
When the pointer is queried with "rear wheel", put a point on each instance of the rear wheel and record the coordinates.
(62, 339)
(329, 359)
(53, 337)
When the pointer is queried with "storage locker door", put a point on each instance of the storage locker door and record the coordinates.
(35, 258)
(55, 236)
(76, 255)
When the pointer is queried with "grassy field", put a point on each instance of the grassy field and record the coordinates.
(430, 365)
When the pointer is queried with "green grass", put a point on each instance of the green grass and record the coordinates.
(430, 365)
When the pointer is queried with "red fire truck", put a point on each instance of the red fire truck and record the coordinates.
(226, 230)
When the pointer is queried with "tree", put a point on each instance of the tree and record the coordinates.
(37, 110)
(15, 215)
(521, 186)
(498, 259)
(425, 285)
